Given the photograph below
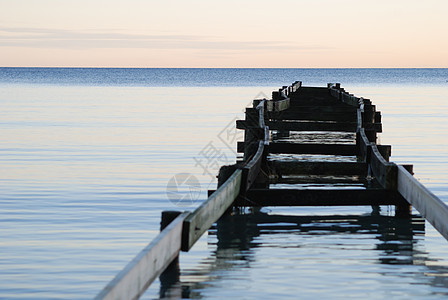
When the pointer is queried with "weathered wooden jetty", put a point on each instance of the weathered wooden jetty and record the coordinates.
(307, 146)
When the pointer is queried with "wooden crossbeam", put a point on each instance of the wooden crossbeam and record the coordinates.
(300, 100)
(318, 149)
(307, 126)
(322, 108)
(321, 149)
(319, 179)
(251, 170)
(319, 197)
(316, 116)
(318, 168)
(384, 171)
(312, 126)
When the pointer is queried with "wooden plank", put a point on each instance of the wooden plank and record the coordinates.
(359, 118)
(280, 94)
(251, 170)
(302, 148)
(385, 172)
(350, 99)
(318, 116)
(322, 149)
(270, 105)
(363, 144)
(312, 126)
(210, 211)
(298, 100)
(385, 151)
(253, 167)
(318, 179)
(296, 86)
(334, 92)
(260, 109)
(318, 168)
(275, 106)
(133, 280)
(319, 197)
(281, 104)
(431, 207)
(320, 108)
(313, 91)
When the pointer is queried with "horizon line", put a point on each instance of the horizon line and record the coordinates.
(133, 67)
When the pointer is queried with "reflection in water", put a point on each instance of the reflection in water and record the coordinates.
(380, 240)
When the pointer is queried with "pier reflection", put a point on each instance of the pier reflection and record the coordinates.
(390, 240)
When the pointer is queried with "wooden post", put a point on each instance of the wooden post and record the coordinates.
(404, 209)
(210, 211)
(224, 173)
(171, 274)
(262, 179)
(386, 151)
(369, 121)
(251, 133)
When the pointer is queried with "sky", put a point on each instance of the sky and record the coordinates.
(243, 33)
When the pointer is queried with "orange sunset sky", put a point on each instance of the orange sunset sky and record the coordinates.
(243, 33)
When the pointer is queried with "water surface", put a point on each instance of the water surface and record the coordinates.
(86, 156)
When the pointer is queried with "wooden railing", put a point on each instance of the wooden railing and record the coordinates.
(241, 180)
(285, 91)
(280, 99)
(182, 233)
(431, 207)
(135, 278)
(210, 211)
(389, 175)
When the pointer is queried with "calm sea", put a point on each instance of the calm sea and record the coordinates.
(89, 159)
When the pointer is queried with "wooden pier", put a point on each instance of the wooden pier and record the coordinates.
(307, 146)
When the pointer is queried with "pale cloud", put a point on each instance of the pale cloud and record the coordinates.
(71, 39)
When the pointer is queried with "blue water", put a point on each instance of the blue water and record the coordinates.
(86, 156)
(188, 77)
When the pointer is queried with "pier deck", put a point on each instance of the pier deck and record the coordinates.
(307, 146)
(314, 156)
